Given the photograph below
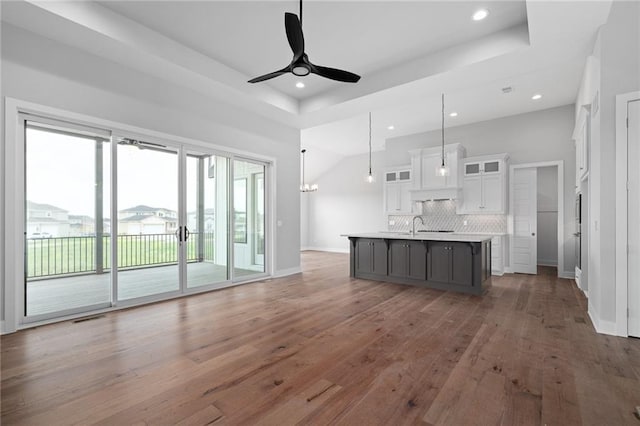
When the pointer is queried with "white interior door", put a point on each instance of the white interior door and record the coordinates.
(633, 270)
(525, 250)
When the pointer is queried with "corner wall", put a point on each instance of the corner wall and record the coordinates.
(615, 70)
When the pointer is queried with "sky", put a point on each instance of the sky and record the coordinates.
(61, 172)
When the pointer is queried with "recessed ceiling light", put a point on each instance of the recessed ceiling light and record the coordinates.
(453, 114)
(480, 14)
(299, 85)
(391, 127)
(536, 96)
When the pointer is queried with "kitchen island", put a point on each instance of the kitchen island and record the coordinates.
(456, 262)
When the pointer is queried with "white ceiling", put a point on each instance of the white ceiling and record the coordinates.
(362, 37)
(408, 53)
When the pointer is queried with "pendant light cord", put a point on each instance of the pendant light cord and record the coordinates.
(300, 13)
(443, 130)
(369, 144)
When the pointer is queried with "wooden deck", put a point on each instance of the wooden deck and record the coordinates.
(322, 348)
(60, 293)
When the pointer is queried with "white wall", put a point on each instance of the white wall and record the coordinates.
(304, 219)
(345, 204)
(42, 71)
(548, 216)
(617, 71)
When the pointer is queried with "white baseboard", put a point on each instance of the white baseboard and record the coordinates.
(553, 263)
(566, 274)
(329, 249)
(570, 275)
(601, 326)
(286, 272)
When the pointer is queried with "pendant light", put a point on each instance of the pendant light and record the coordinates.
(305, 187)
(442, 170)
(370, 177)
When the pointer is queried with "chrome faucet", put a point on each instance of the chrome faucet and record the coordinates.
(413, 224)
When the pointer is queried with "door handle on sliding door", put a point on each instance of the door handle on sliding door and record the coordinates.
(186, 233)
(178, 234)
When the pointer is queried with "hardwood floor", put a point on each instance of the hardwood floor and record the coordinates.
(323, 348)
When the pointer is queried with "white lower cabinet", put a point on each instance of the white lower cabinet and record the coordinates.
(497, 255)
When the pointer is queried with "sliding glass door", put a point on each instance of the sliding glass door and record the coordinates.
(207, 254)
(166, 218)
(248, 219)
(67, 257)
(148, 238)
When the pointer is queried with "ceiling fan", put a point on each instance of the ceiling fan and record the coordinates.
(300, 64)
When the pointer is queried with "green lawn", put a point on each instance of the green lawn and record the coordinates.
(56, 256)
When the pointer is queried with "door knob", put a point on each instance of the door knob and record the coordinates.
(533, 234)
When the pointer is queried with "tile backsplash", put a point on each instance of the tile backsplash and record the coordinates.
(441, 215)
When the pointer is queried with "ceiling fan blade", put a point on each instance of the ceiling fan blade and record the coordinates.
(335, 74)
(294, 35)
(269, 76)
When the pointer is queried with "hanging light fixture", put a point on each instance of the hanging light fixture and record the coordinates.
(305, 187)
(442, 170)
(370, 177)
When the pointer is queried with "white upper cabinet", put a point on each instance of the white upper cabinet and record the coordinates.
(472, 191)
(397, 184)
(484, 185)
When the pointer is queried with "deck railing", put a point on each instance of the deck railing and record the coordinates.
(76, 255)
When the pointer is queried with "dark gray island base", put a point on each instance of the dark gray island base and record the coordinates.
(461, 266)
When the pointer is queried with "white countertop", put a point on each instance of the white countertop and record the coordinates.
(423, 236)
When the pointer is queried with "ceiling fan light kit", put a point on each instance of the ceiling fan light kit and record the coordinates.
(300, 64)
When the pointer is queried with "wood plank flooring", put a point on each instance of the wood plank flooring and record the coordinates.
(323, 348)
